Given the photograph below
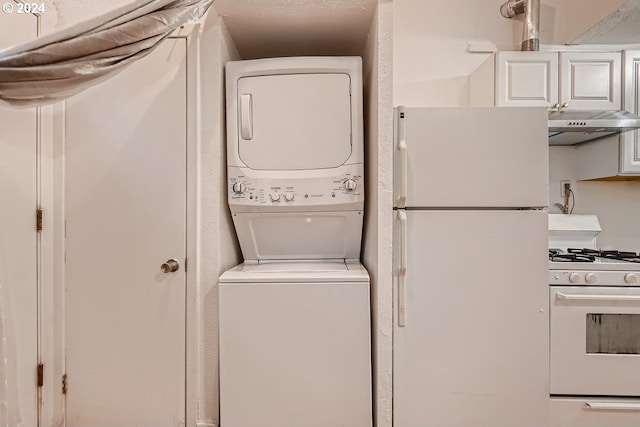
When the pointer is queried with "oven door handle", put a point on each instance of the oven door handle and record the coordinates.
(568, 297)
(613, 406)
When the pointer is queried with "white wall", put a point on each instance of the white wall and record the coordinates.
(617, 204)
(218, 248)
(376, 255)
(431, 62)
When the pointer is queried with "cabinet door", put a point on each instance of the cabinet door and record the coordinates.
(526, 79)
(630, 141)
(591, 81)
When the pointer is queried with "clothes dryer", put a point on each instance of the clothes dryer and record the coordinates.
(295, 170)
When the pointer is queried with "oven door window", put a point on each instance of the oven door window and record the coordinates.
(613, 333)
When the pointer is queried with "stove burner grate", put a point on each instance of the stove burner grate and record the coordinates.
(625, 256)
(559, 256)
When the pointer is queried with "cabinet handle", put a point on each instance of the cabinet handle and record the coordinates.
(565, 105)
(567, 297)
(401, 202)
(402, 269)
(613, 406)
(555, 107)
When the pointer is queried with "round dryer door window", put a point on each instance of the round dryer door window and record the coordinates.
(294, 121)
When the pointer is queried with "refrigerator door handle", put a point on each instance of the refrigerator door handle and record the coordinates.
(402, 269)
(401, 202)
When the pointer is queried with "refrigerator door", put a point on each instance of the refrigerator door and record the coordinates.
(473, 351)
(471, 157)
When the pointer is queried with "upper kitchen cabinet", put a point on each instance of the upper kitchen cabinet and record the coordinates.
(526, 79)
(561, 80)
(616, 157)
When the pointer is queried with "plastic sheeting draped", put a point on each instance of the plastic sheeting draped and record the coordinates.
(62, 64)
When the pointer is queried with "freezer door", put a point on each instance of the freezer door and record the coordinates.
(294, 121)
(473, 351)
(471, 157)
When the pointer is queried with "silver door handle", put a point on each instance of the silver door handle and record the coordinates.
(170, 266)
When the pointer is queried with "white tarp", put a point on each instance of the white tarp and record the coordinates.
(62, 64)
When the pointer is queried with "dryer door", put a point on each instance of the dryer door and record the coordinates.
(294, 121)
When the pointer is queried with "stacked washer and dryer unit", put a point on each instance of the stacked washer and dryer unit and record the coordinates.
(294, 317)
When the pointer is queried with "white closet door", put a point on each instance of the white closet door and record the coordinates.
(18, 263)
(126, 214)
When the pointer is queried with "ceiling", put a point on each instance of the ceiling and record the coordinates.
(622, 26)
(269, 28)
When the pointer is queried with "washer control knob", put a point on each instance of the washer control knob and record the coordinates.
(350, 184)
(630, 278)
(238, 188)
(275, 197)
(574, 277)
(591, 278)
(288, 196)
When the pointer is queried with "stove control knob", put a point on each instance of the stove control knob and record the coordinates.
(275, 197)
(574, 277)
(238, 188)
(591, 278)
(630, 278)
(288, 197)
(350, 184)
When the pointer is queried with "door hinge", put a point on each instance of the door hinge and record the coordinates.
(40, 375)
(64, 384)
(39, 214)
(185, 265)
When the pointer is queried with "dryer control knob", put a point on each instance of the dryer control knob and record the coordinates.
(275, 197)
(238, 188)
(350, 184)
(574, 277)
(630, 278)
(591, 278)
(288, 197)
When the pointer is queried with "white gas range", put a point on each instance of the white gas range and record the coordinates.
(594, 303)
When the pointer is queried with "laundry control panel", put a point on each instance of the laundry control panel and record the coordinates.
(309, 191)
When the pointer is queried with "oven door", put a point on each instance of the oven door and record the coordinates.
(595, 341)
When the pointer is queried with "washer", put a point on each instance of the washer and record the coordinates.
(294, 345)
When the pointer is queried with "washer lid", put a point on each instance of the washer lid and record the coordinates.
(294, 271)
(294, 121)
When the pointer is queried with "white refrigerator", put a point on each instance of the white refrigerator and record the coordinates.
(470, 267)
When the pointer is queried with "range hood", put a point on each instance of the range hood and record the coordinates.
(574, 127)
